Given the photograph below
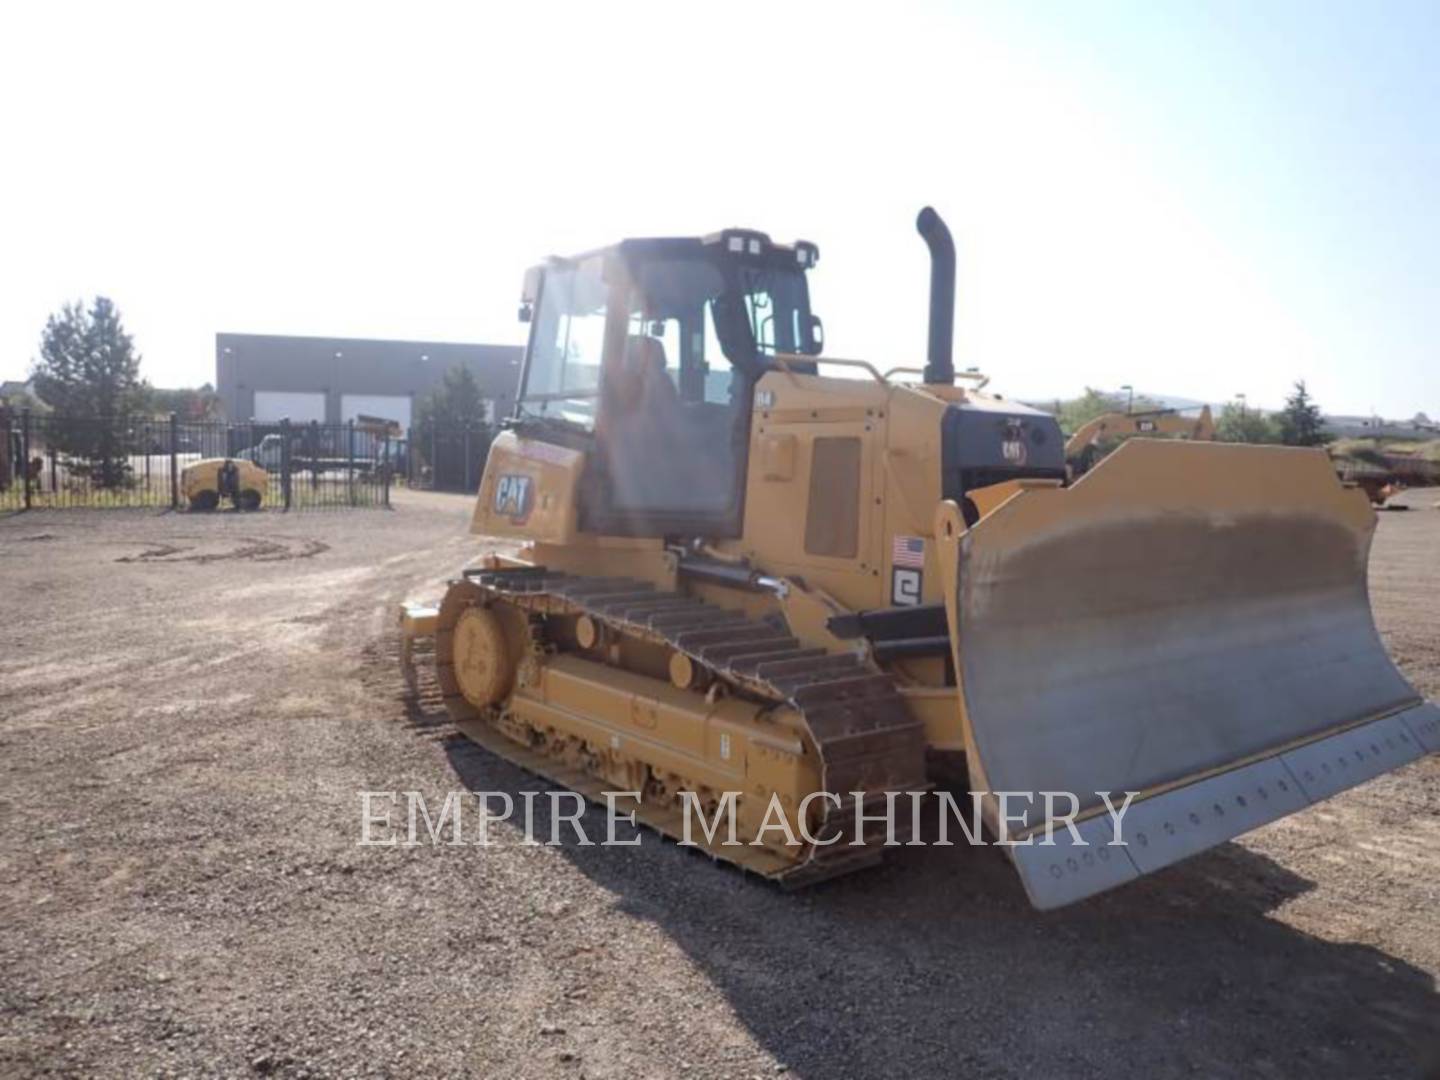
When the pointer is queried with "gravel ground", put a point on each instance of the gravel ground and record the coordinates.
(189, 707)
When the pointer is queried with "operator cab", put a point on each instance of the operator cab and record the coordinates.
(645, 354)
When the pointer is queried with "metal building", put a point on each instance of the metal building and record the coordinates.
(268, 377)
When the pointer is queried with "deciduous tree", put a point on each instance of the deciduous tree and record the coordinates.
(1240, 424)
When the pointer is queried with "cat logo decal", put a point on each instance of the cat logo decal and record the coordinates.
(514, 496)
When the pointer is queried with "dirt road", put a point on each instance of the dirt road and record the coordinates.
(190, 706)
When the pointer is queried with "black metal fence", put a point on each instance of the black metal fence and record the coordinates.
(446, 458)
(61, 461)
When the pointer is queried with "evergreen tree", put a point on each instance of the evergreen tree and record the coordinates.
(456, 402)
(88, 365)
(442, 419)
(89, 372)
(1300, 421)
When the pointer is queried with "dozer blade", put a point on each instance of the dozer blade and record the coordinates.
(1187, 621)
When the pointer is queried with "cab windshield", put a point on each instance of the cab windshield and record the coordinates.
(710, 314)
(650, 352)
(700, 329)
(562, 372)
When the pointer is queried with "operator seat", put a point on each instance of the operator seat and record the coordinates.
(645, 364)
(651, 459)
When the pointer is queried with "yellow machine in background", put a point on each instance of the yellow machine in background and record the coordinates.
(750, 573)
(1087, 445)
(204, 483)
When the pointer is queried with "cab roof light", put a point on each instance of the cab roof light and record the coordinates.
(742, 241)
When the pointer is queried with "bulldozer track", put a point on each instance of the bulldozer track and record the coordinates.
(868, 744)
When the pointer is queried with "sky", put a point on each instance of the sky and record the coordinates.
(1196, 199)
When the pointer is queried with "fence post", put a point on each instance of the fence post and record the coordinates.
(350, 461)
(318, 445)
(434, 455)
(467, 456)
(284, 460)
(25, 452)
(385, 465)
(174, 463)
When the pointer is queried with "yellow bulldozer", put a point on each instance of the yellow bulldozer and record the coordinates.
(727, 573)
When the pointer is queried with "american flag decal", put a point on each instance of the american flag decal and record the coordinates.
(908, 551)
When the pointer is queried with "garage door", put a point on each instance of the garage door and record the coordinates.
(273, 405)
(380, 406)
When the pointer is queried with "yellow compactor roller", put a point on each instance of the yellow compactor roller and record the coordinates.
(209, 481)
(748, 573)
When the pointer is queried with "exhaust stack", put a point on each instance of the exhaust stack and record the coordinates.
(940, 363)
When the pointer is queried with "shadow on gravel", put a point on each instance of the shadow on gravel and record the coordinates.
(935, 965)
